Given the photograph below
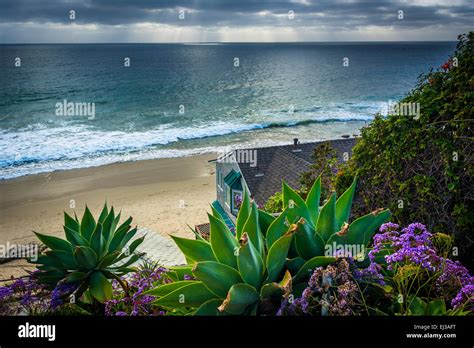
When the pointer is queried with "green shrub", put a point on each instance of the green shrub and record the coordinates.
(93, 253)
(421, 169)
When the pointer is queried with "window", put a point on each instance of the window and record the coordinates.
(236, 201)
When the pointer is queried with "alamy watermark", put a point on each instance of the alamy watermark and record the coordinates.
(240, 156)
(19, 251)
(404, 109)
(355, 251)
(66, 108)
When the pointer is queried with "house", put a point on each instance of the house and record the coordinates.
(261, 171)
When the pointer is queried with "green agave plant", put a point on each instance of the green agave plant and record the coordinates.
(267, 258)
(90, 253)
(324, 231)
(235, 274)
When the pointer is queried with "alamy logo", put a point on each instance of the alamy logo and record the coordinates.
(355, 251)
(66, 108)
(240, 156)
(37, 331)
(404, 109)
(18, 251)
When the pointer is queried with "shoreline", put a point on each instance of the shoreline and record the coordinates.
(151, 191)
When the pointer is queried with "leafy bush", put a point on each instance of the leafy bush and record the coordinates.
(92, 254)
(422, 168)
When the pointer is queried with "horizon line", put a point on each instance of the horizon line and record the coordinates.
(216, 42)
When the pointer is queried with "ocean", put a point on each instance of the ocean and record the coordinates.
(170, 100)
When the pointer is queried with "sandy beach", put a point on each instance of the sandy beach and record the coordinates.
(163, 195)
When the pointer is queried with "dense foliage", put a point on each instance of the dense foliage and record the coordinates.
(421, 168)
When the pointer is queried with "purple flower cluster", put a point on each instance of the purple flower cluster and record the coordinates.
(24, 296)
(60, 292)
(331, 291)
(413, 245)
(134, 302)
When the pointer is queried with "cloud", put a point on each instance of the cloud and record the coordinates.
(229, 20)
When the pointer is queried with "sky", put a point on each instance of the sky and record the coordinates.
(122, 21)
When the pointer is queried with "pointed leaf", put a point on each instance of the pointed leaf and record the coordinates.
(252, 228)
(239, 298)
(193, 295)
(327, 226)
(209, 308)
(243, 215)
(100, 287)
(163, 290)
(344, 204)
(278, 253)
(54, 243)
(265, 220)
(223, 243)
(308, 243)
(87, 224)
(313, 199)
(195, 250)
(217, 277)
(250, 262)
(85, 257)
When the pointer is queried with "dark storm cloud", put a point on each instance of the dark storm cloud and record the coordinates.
(239, 13)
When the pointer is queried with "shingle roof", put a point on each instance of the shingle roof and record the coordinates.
(284, 162)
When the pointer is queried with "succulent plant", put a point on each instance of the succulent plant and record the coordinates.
(234, 274)
(90, 254)
(249, 272)
(324, 231)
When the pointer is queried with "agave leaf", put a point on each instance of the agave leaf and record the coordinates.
(177, 273)
(192, 295)
(277, 254)
(125, 225)
(313, 199)
(134, 245)
(252, 228)
(277, 228)
(239, 298)
(163, 290)
(344, 204)
(250, 263)
(134, 258)
(209, 308)
(54, 243)
(107, 226)
(310, 265)
(223, 243)
(216, 276)
(48, 260)
(127, 238)
(295, 264)
(108, 259)
(243, 214)
(277, 290)
(265, 220)
(97, 242)
(308, 243)
(196, 250)
(71, 223)
(298, 208)
(87, 224)
(51, 277)
(326, 225)
(66, 258)
(116, 242)
(103, 214)
(74, 237)
(100, 287)
(76, 277)
(85, 257)
(216, 214)
(361, 230)
(197, 235)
